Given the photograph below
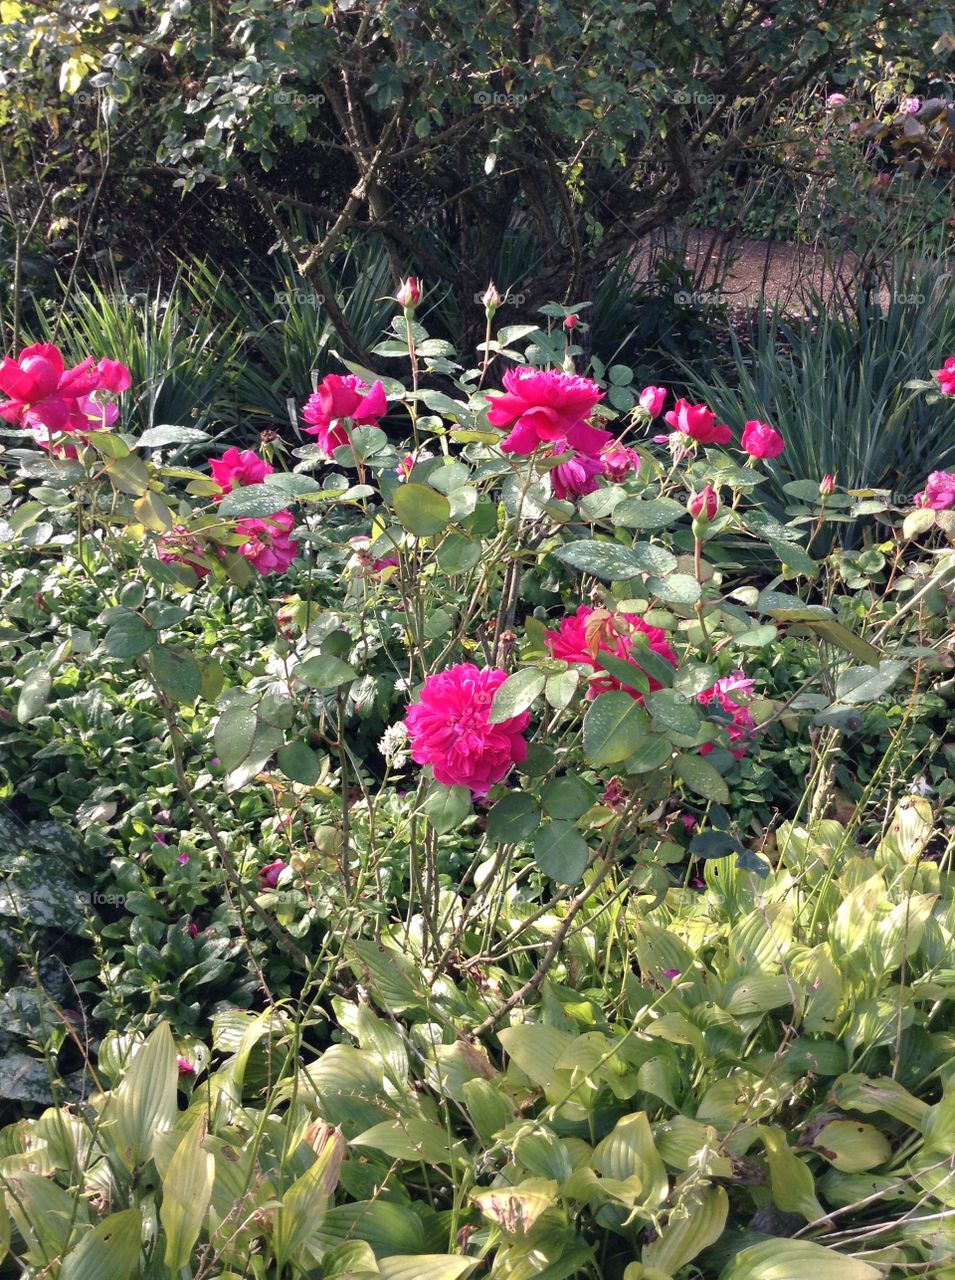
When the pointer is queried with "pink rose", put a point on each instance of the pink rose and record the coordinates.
(449, 729)
(42, 393)
(946, 377)
(706, 503)
(268, 546)
(341, 397)
(740, 727)
(698, 422)
(235, 470)
(827, 485)
(410, 461)
(543, 405)
(836, 100)
(588, 632)
(114, 376)
(939, 491)
(577, 476)
(652, 400)
(620, 462)
(409, 295)
(269, 874)
(761, 441)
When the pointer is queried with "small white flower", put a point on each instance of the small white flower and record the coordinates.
(393, 745)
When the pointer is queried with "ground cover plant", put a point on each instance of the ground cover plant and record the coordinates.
(481, 835)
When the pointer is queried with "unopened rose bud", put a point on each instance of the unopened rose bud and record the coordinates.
(491, 299)
(705, 504)
(571, 322)
(826, 485)
(409, 295)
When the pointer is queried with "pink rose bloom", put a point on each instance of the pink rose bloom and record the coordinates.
(235, 470)
(185, 1067)
(939, 491)
(652, 400)
(113, 376)
(911, 105)
(268, 546)
(946, 377)
(269, 875)
(761, 441)
(339, 397)
(698, 422)
(577, 476)
(42, 392)
(179, 546)
(541, 405)
(740, 728)
(449, 730)
(620, 462)
(836, 100)
(578, 639)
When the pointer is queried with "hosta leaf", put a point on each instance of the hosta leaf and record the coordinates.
(33, 694)
(782, 1259)
(852, 1146)
(426, 1266)
(111, 1251)
(408, 1138)
(187, 1191)
(791, 1180)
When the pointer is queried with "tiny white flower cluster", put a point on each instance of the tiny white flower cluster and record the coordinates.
(393, 745)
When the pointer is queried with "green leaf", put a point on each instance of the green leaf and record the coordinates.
(567, 798)
(783, 1259)
(458, 554)
(128, 637)
(233, 735)
(794, 556)
(177, 673)
(614, 727)
(674, 711)
(861, 685)
(186, 1193)
(447, 807)
(676, 588)
(251, 501)
(325, 672)
(159, 437)
(791, 1180)
(408, 1138)
(700, 776)
(300, 763)
(111, 1251)
(516, 694)
(128, 474)
(33, 694)
(559, 689)
(615, 563)
(513, 819)
(422, 510)
(561, 852)
(647, 513)
(145, 1100)
(425, 1266)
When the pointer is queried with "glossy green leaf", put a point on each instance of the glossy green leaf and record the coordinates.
(422, 510)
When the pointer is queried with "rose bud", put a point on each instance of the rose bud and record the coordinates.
(491, 299)
(705, 504)
(826, 485)
(409, 295)
(571, 322)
